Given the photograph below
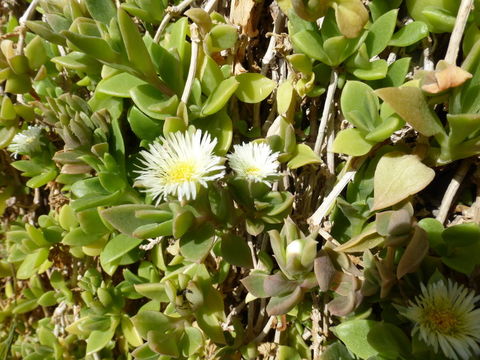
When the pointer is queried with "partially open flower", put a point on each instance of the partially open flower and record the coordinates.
(254, 162)
(27, 142)
(445, 317)
(178, 164)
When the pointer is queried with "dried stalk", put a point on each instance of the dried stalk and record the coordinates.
(28, 13)
(458, 29)
(316, 219)
(170, 12)
(210, 5)
(327, 108)
(451, 57)
(452, 190)
(278, 25)
(330, 153)
(193, 63)
(316, 330)
(22, 21)
(276, 340)
(266, 329)
(261, 314)
(235, 311)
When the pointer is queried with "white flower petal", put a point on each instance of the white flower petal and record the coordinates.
(445, 317)
(27, 141)
(254, 162)
(177, 164)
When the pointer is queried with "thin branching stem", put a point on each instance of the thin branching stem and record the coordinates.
(22, 21)
(451, 57)
(330, 153)
(210, 5)
(193, 63)
(458, 29)
(170, 12)
(266, 329)
(316, 219)
(278, 25)
(327, 108)
(452, 190)
(316, 329)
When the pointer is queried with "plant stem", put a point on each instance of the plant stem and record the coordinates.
(252, 250)
(276, 339)
(256, 123)
(458, 29)
(235, 311)
(316, 318)
(28, 13)
(326, 111)
(452, 190)
(210, 5)
(23, 19)
(270, 53)
(170, 12)
(316, 219)
(261, 314)
(266, 329)
(250, 315)
(193, 63)
(330, 153)
(451, 57)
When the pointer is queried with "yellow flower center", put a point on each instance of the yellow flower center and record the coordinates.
(443, 321)
(252, 170)
(181, 172)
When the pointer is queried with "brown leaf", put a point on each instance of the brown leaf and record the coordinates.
(385, 270)
(283, 304)
(278, 284)
(414, 253)
(344, 305)
(324, 270)
(343, 283)
(444, 77)
(245, 14)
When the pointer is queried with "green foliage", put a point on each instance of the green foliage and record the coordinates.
(215, 245)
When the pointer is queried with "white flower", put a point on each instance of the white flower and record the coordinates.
(178, 164)
(254, 162)
(27, 141)
(445, 317)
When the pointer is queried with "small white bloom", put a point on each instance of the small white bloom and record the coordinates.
(254, 162)
(445, 317)
(178, 164)
(27, 141)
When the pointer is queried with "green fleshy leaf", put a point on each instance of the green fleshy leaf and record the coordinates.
(253, 88)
